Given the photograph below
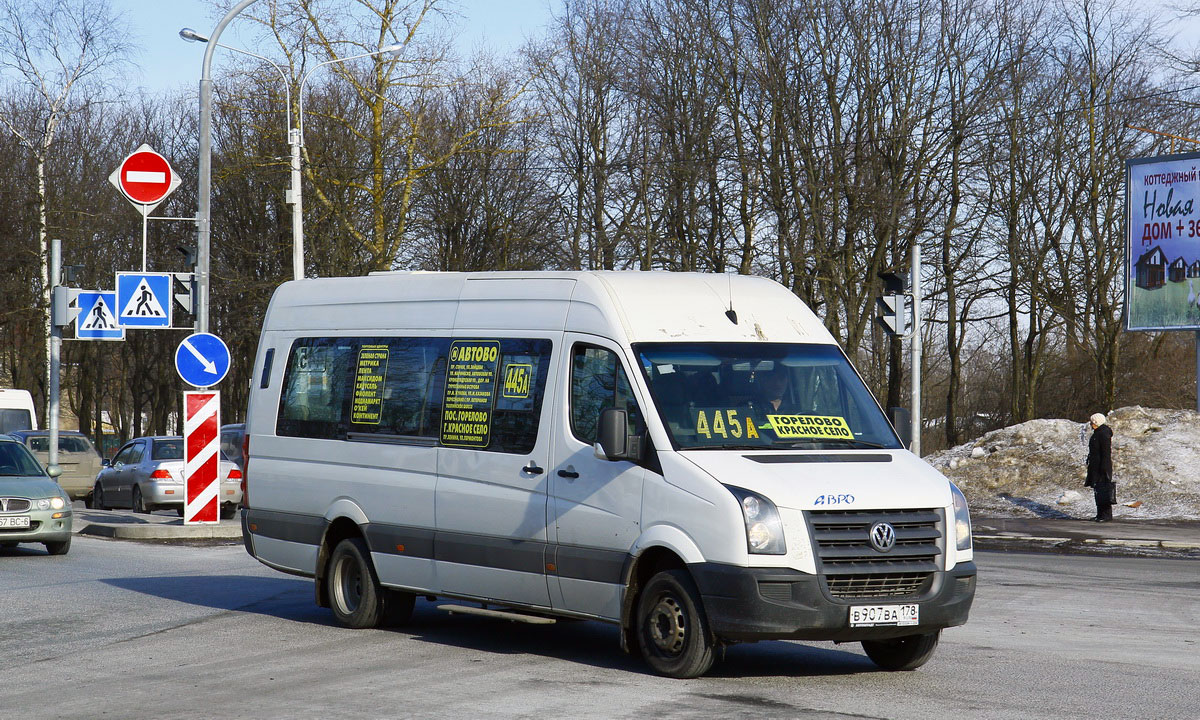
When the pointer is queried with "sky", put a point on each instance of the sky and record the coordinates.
(166, 62)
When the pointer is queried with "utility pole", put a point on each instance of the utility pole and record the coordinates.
(915, 346)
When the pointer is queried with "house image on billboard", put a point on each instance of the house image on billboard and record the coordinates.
(1177, 271)
(1194, 269)
(1151, 269)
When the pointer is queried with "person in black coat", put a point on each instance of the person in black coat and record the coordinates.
(1099, 468)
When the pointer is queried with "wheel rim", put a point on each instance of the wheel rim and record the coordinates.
(667, 625)
(347, 584)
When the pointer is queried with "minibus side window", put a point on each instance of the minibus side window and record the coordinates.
(397, 385)
(314, 395)
(520, 385)
(597, 382)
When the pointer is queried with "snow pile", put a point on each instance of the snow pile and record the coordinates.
(1037, 467)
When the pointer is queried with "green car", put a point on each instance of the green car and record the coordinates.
(33, 508)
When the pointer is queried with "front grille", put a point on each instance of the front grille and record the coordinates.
(11, 504)
(853, 568)
(33, 526)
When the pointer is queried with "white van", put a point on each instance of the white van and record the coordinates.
(688, 456)
(16, 411)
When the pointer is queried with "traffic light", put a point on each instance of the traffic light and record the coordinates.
(893, 314)
(894, 283)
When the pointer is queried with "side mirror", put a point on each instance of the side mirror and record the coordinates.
(613, 441)
(901, 421)
(105, 462)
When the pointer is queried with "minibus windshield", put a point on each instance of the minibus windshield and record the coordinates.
(762, 395)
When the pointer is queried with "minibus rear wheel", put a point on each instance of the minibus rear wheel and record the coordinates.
(672, 630)
(354, 593)
(903, 653)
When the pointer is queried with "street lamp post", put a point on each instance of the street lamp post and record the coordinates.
(293, 197)
(295, 134)
(204, 191)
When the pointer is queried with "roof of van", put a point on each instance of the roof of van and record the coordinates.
(630, 306)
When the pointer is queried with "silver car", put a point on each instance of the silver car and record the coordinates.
(147, 474)
(78, 459)
(33, 508)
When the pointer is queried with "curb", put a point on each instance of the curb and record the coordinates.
(227, 531)
(1172, 547)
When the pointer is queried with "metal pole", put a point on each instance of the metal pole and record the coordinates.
(297, 208)
(915, 446)
(204, 202)
(55, 359)
(145, 222)
(1198, 371)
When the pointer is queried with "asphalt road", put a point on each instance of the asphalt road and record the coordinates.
(141, 630)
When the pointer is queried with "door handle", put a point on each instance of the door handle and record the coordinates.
(568, 473)
(532, 468)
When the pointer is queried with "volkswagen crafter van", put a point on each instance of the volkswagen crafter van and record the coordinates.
(688, 456)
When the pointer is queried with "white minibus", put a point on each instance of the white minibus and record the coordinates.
(16, 411)
(688, 456)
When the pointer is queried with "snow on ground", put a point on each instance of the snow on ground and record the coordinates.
(1037, 468)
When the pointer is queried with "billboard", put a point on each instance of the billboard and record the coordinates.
(1162, 243)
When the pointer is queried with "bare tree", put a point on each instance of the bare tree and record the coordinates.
(60, 52)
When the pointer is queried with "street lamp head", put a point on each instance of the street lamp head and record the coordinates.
(192, 36)
(393, 49)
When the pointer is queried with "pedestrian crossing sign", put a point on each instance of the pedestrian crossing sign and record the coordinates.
(97, 318)
(144, 300)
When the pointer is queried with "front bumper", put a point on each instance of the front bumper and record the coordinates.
(799, 607)
(172, 494)
(43, 527)
(78, 487)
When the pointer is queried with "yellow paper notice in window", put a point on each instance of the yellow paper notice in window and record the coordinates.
(810, 426)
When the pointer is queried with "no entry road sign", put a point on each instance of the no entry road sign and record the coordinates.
(145, 177)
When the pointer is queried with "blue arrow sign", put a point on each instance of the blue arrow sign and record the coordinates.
(98, 317)
(202, 360)
(144, 300)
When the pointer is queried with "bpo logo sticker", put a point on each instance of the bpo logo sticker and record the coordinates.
(832, 499)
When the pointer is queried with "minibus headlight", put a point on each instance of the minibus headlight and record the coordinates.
(962, 518)
(764, 529)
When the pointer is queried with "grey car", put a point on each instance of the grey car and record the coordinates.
(33, 508)
(77, 458)
(147, 474)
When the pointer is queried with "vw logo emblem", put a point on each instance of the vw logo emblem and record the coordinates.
(882, 536)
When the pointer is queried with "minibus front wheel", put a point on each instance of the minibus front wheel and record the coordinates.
(672, 630)
(902, 653)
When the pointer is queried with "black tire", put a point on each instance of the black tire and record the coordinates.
(8, 544)
(354, 592)
(228, 511)
(139, 506)
(397, 607)
(98, 498)
(903, 653)
(672, 630)
(59, 548)
(179, 511)
(87, 501)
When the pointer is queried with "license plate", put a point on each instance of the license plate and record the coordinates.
(872, 615)
(19, 521)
